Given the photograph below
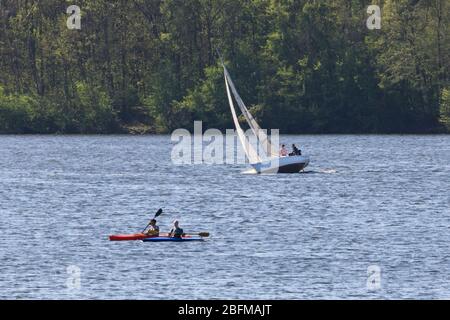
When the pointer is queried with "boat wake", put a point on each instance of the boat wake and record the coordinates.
(329, 171)
(250, 171)
(322, 171)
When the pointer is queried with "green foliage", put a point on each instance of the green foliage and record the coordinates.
(16, 113)
(206, 102)
(300, 66)
(93, 110)
(445, 108)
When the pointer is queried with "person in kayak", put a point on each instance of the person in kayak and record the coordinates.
(176, 231)
(153, 229)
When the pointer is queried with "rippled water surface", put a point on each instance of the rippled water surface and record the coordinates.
(363, 201)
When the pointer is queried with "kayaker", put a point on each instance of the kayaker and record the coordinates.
(176, 231)
(153, 229)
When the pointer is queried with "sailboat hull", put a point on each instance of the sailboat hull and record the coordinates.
(292, 164)
(292, 168)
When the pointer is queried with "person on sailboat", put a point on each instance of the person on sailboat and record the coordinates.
(153, 229)
(283, 151)
(176, 231)
(295, 151)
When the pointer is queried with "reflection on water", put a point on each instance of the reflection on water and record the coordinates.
(363, 201)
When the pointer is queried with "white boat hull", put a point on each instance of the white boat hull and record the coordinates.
(291, 164)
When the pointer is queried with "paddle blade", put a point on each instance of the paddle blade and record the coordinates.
(204, 234)
(158, 213)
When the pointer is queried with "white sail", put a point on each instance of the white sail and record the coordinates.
(267, 161)
(260, 134)
(251, 153)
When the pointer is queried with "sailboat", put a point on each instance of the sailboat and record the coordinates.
(268, 159)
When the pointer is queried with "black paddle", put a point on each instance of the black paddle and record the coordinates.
(201, 234)
(157, 214)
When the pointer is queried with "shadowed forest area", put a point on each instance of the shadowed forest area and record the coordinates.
(150, 66)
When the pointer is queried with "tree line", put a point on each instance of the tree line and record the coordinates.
(303, 66)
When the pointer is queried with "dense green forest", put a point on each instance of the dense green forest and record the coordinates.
(303, 66)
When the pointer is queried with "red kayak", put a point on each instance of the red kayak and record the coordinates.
(128, 237)
(125, 237)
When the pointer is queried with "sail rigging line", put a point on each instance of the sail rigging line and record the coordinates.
(262, 137)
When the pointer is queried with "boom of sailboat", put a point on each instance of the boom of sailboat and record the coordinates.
(267, 160)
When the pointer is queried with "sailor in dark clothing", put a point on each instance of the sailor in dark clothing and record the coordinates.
(295, 151)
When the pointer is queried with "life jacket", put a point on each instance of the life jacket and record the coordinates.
(153, 231)
(177, 232)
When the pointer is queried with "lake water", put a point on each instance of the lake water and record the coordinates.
(364, 203)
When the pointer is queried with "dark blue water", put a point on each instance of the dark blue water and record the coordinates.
(364, 201)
